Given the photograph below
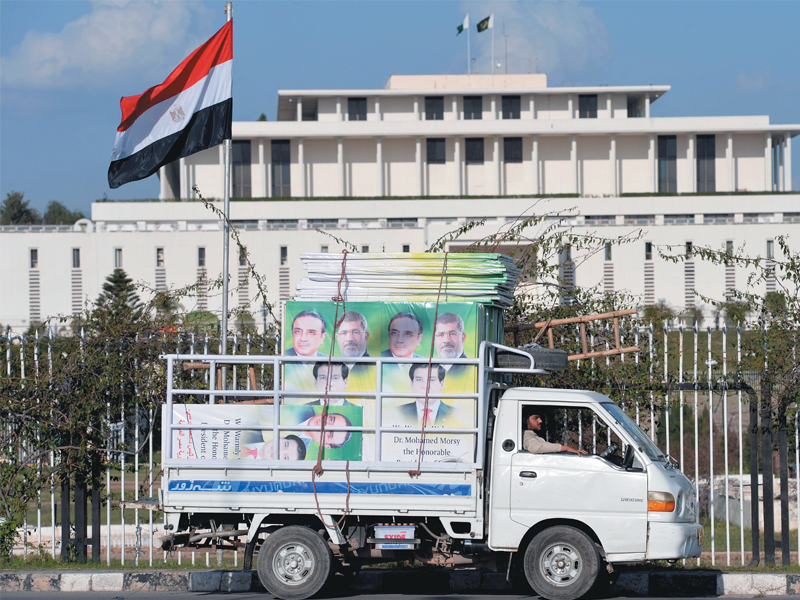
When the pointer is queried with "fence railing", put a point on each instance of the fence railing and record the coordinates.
(701, 406)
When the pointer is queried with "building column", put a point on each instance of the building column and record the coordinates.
(301, 162)
(299, 109)
(608, 106)
(262, 191)
(457, 163)
(651, 157)
(418, 157)
(162, 184)
(573, 159)
(647, 106)
(454, 106)
(729, 163)
(339, 114)
(571, 106)
(378, 114)
(267, 169)
(535, 163)
(787, 170)
(613, 158)
(496, 157)
(768, 162)
(532, 106)
(379, 161)
(494, 106)
(340, 164)
(184, 171)
(416, 108)
(692, 163)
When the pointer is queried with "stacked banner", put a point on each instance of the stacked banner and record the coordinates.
(410, 277)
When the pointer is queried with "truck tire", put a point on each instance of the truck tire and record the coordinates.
(549, 359)
(561, 563)
(294, 562)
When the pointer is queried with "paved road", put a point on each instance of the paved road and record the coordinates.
(256, 596)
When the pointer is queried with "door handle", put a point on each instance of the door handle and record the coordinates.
(530, 474)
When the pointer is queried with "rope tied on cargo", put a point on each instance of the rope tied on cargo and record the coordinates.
(318, 470)
(415, 472)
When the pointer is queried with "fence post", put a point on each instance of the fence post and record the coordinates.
(80, 517)
(66, 540)
(95, 510)
(784, 467)
(754, 529)
(766, 469)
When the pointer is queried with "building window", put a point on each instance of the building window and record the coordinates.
(284, 255)
(159, 257)
(323, 249)
(608, 251)
(240, 169)
(201, 257)
(76, 258)
(648, 250)
(729, 247)
(474, 155)
(587, 106)
(511, 107)
(689, 250)
(667, 164)
(434, 108)
(406, 248)
(117, 258)
(634, 107)
(473, 108)
(357, 109)
(512, 149)
(364, 249)
(281, 161)
(770, 249)
(706, 171)
(34, 258)
(435, 148)
(242, 256)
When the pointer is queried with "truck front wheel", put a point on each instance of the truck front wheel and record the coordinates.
(561, 563)
(294, 563)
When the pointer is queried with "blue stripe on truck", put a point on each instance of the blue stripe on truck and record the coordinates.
(305, 487)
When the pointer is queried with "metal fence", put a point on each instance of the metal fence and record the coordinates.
(695, 411)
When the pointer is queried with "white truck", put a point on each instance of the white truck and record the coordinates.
(567, 522)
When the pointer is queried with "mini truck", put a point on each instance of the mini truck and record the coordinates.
(567, 522)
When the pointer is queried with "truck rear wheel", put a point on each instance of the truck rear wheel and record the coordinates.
(294, 563)
(561, 563)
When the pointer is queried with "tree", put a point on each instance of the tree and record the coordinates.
(15, 210)
(119, 295)
(658, 314)
(262, 117)
(736, 311)
(58, 214)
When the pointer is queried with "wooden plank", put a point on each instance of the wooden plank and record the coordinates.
(581, 319)
(612, 352)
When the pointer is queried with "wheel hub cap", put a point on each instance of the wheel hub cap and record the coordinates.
(293, 564)
(561, 565)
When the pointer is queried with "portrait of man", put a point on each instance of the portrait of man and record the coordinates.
(290, 447)
(308, 333)
(352, 337)
(333, 439)
(333, 379)
(437, 412)
(448, 339)
(405, 336)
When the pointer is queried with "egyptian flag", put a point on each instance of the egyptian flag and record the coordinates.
(191, 111)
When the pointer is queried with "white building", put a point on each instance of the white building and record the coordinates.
(397, 168)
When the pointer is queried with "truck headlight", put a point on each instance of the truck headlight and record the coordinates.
(660, 502)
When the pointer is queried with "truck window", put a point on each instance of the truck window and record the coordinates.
(579, 427)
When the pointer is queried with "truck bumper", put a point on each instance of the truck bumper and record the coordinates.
(671, 541)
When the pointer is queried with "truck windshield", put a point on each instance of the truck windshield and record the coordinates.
(644, 442)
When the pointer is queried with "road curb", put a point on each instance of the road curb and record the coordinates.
(635, 583)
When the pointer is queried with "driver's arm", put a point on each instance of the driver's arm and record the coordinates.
(577, 451)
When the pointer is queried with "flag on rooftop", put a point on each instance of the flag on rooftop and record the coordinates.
(487, 23)
(190, 112)
(463, 26)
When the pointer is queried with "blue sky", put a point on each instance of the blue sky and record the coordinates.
(65, 64)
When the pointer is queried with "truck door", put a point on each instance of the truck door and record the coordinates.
(589, 489)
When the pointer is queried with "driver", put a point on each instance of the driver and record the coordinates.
(532, 442)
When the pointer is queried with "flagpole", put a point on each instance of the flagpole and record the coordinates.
(226, 151)
(469, 60)
(491, 21)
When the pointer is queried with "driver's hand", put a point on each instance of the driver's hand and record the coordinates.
(576, 451)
